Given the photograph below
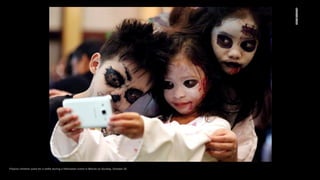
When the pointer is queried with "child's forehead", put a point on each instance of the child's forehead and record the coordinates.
(132, 68)
(242, 16)
(184, 59)
(238, 21)
(236, 26)
(121, 63)
(180, 59)
(182, 63)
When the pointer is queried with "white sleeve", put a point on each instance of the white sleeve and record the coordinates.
(93, 146)
(247, 139)
(175, 142)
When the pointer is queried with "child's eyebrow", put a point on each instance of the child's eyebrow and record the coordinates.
(127, 74)
(225, 34)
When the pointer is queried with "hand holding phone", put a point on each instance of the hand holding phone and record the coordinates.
(93, 112)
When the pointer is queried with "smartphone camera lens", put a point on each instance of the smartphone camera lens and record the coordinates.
(104, 112)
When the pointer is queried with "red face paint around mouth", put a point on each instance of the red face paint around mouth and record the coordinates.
(187, 105)
(181, 104)
(234, 70)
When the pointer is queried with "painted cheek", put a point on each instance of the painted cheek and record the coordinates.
(249, 57)
(124, 106)
(167, 95)
(219, 52)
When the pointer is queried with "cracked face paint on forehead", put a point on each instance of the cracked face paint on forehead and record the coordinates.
(250, 30)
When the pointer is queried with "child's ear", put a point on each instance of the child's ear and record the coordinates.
(95, 62)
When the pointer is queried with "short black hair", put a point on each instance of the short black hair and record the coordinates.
(136, 40)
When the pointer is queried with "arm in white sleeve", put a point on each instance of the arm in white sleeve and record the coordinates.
(175, 142)
(247, 139)
(93, 146)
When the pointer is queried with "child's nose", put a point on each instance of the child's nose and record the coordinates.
(234, 53)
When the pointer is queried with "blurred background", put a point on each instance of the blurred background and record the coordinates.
(70, 26)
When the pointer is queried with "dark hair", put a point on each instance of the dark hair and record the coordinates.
(191, 47)
(188, 20)
(136, 41)
(68, 68)
(253, 82)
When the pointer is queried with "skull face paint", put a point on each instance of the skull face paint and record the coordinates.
(184, 85)
(234, 42)
(122, 81)
(116, 80)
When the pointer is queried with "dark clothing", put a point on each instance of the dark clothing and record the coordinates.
(54, 103)
(73, 84)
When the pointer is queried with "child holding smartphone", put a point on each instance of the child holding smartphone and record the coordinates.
(188, 122)
(127, 67)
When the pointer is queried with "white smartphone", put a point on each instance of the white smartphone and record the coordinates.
(93, 112)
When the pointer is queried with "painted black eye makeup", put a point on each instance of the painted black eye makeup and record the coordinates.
(190, 83)
(187, 83)
(113, 78)
(249, 45)
(168, 85)
(132, 95)
(224, 41)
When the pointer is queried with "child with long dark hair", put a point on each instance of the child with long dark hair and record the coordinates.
(239, 46)
(237, 41)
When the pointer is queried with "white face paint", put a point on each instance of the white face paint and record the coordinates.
(185, 85)
(235, 42)
(120, 80)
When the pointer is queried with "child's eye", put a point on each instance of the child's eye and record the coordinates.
(167, 85)
(224, 41)
(133, 94)
(249, 45)
(190, 83)
(113, 78)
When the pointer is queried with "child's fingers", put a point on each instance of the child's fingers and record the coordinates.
(74, 132)
(70, 123)
(61, 111)
(124, 116)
